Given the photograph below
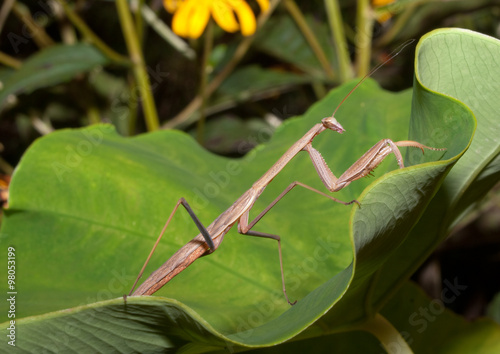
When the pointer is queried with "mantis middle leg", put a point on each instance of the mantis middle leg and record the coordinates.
(244, 227)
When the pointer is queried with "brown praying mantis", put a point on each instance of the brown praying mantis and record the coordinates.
(210, 237)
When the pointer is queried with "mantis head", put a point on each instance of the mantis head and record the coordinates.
(331, 123)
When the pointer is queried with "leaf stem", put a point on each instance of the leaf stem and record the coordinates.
(364, 32)
(207, 50)
(41, 38)
(7, 60)
(138, 20)
(91, 36)
(301, 22)
(5, 9)
(387, 334)
(339, 39)
(139, 67)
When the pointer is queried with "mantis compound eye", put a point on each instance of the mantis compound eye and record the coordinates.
(331, 123)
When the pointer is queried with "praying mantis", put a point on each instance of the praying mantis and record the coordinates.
(210, 237)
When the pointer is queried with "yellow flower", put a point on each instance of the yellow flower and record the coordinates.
(378, 3)
(191, 16)
(383, 14)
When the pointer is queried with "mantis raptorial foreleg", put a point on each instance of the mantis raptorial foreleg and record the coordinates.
(363, 166)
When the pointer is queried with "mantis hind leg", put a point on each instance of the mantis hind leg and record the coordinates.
(199, 225)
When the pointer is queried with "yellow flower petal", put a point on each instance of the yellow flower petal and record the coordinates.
(180, 21)
(191, 19)
(199, 21)
(192, 16)
(378, 3)
(383, 14)
(264, 5)
(224, 16)
(172, 5)
(245, 17)
(384, 17)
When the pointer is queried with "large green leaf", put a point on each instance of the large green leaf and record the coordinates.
(447, 62)
(52, 66)
(86, 206)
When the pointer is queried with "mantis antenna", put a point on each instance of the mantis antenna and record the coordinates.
(391, 56)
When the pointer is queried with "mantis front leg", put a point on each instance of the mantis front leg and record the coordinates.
(363, 166)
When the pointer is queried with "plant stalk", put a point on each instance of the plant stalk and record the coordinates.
(364, 32)
(5, 9)
(301, 22)
(138, 20)
(389, 337)
(339, 39)
(91, 36)
(207, 50)
(41, 38)
(139, 67)
(7, 60)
